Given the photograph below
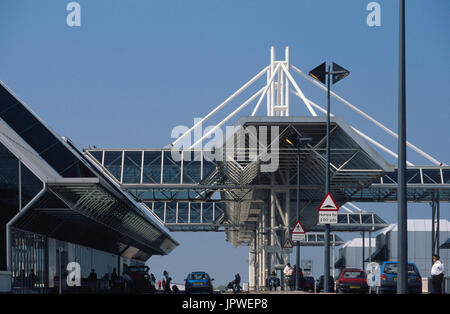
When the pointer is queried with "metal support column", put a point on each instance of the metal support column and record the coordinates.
(297, 253)
(261, 259)
(327, 189)
(433, 225)
(363, 249)
(272, 227)
(402, 244)
(265, 242)
(287, 257)
(332, 257)
(256, 271)
(251, 265)
(438, 212)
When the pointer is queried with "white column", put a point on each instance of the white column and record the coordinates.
(286, 84)
(272, 89)
(251, 265)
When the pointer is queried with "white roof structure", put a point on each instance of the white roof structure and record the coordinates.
(357, 242)
(421, 225)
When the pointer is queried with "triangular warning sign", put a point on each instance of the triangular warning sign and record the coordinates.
(328, 204)
(288, 244)
(298, 228)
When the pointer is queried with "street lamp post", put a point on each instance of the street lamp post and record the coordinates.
(402, 284)
(297, 253)
(301, 141)
(327, 189)
(337, 74)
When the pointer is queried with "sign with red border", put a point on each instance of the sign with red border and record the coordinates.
(288, 244)
(298, 228)
(328, 204)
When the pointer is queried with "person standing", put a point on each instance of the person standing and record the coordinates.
(166, 282)
(92, 279)
(237, 280)
(293, 278)
(301, 279)
(288, 271)
(273, 281)
(113, 279)
(127, 282)
(437, 275)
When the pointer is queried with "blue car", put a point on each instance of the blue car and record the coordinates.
(198, 282)
(388, 276)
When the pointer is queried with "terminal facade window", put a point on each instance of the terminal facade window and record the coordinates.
(18, 185)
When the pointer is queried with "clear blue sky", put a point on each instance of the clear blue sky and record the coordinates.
(135, 69)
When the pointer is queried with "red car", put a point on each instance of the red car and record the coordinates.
(352, 280)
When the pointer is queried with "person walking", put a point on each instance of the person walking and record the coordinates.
(437, 275)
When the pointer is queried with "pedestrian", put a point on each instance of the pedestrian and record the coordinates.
(152, 281)
(237, 281)
(113, 280)
(92, 279)
(167, 281)
(293, 277)
(300, 278)
(33, 278)
(287, 271)
(437, 275)
(159, 284)
(126, 282)
(92, 276)
(273, 281)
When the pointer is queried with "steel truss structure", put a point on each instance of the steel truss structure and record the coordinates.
(256, 207)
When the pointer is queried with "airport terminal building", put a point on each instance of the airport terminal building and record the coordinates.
(383, 247)
(56, 207)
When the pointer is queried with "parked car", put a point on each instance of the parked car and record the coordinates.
(308, 283)
(388, 278)
(352, 280)
(320, 284)
(140, 279)
(198, 282)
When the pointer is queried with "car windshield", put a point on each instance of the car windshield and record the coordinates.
(353, 274)
(198, 276)
(392, 268)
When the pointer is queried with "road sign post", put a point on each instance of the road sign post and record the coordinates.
(327, 215)
(298, 234)
(328, 210)
(319, 73)
(287, 246)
